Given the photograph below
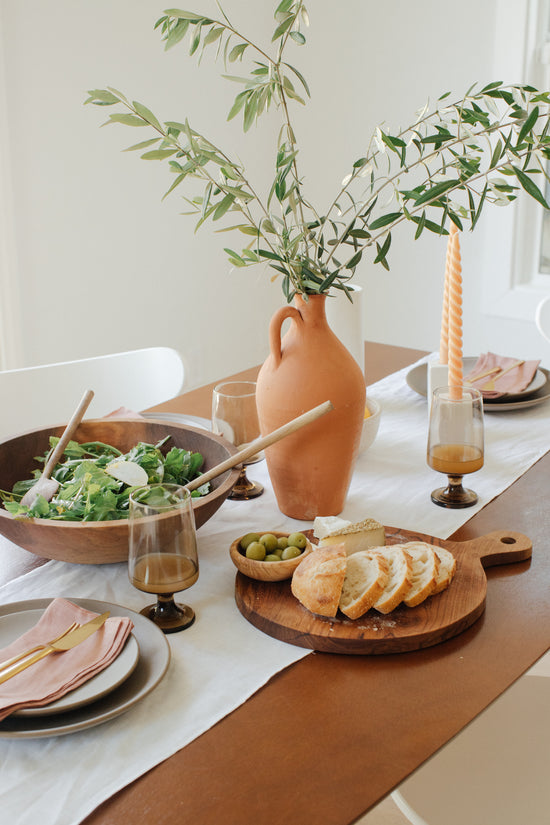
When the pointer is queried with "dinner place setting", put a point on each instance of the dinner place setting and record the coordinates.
(250, 594)
(235, 610)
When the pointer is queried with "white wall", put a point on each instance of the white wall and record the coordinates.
(102, 264)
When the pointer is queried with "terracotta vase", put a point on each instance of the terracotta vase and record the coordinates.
(311, 469)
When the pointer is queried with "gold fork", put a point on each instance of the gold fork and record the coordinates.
(473, 378)
(490, 385)
(14, 659)
(70, 640)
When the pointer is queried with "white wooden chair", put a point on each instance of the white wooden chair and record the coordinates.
(495, 772)
(34, 397)
(542, 317)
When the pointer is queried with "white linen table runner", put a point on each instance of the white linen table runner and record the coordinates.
(222, 660)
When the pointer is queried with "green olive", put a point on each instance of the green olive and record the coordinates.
(269, 541)
(256, 551)
(248, 539)
(282, 541)
(291, 552)
(272, 557)
(297, 540)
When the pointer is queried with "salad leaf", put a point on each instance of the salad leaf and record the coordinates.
(150, 458)
(88, 493)
(181, 466)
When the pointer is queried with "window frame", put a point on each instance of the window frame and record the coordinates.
(514, 285)
(10, 337)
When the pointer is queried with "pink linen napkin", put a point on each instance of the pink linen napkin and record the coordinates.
(123, 412)
(513, 382)
(58, 673)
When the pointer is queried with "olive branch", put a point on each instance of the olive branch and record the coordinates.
(445, 167)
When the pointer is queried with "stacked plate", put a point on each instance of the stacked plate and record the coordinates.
(132, 676)
(537, 391)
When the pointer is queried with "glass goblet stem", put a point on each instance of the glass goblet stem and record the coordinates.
(169, 615)
(454, 495)
(244, 488)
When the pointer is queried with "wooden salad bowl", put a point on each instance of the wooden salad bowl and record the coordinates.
(102, 542)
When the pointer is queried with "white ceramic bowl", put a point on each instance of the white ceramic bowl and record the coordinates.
(370, 425)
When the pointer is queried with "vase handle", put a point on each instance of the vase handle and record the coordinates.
(275, 330)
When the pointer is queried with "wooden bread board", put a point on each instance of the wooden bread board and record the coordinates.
(271, 607)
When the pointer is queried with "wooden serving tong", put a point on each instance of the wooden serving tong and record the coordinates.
(261, 443)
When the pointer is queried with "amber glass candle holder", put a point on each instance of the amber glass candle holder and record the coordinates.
(455, 442)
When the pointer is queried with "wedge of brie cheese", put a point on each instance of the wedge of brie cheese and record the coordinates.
(359, 536)
(325, 525)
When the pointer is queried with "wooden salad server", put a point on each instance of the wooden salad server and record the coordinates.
(46, 486)
(261, 443)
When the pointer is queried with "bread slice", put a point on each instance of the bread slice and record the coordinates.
(359, 536)
(366, 577)
(447, 567)
(425, 569)
(318, 580)
(399, 580)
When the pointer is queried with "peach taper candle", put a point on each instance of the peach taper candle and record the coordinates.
(444, 340)
(455, 316)
(438, 371)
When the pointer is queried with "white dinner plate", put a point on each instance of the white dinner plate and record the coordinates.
(537, 391)
(181, 418)
(15, 624)
(152, 664)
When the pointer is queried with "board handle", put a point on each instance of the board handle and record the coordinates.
(499, 547)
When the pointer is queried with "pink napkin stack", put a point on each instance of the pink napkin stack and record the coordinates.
(511, 383)
(57, 674)
(123, 412)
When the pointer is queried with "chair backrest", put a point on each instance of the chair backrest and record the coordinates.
(35, 397)
(542, 317)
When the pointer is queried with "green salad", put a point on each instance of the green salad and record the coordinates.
(93, 479)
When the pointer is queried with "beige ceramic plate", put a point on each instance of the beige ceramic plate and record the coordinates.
(153, 661)
(15, 624)
(181, 418)
(537, 391)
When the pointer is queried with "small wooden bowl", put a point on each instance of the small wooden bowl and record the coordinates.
(266, 571)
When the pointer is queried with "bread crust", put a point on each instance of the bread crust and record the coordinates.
(447, 568)
(425, 570)
(400, 578)
(318, 580)
(366, 577)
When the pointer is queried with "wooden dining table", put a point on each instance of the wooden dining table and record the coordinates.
(329, 737)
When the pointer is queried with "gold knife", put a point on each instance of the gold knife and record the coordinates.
(72, 639)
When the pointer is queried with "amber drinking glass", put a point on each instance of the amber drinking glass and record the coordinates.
(455, 442)
(235, 417)
(163, 551)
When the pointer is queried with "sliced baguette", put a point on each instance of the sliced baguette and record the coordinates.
(399, 580)
(318, 580)
(425, 569)
(447, 567)
(366, 577)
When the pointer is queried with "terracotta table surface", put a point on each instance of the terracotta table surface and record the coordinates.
(329, 737)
